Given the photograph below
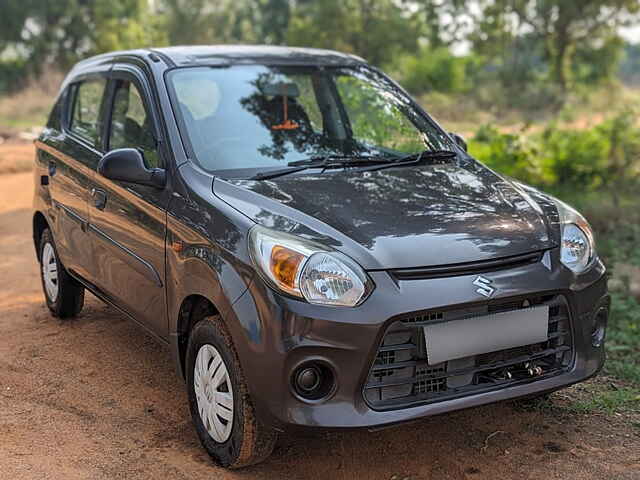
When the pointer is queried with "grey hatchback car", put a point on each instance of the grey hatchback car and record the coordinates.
(312, 246)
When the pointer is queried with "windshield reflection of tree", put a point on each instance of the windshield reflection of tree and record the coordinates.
(444, 199)
(376, 118)
(303, 139)
(381, 114)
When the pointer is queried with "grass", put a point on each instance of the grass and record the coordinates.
(623, 340)
(25, 110)
(29, 107)
(618, 238)
(609, 401)
(464, 115)
(618, 235)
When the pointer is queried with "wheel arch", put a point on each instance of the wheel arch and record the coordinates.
(39, 224)
(193, 308)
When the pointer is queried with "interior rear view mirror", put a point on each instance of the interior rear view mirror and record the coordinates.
(281, 88)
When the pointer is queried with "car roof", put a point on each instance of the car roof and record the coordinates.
(227, 55)
(205, 54)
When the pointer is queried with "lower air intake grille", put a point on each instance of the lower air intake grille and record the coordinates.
(401, 377)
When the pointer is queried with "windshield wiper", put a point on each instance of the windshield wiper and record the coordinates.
(324, 162)
(277, 173)
(340, 159)
(415, 159)
(336, 161)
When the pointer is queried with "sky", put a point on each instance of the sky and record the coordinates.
(632, 34)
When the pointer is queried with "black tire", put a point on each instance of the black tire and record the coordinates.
(70, 295)
(249, 442)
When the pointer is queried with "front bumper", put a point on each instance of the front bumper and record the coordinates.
(274, 334)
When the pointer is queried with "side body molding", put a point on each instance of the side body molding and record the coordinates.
(139, 264)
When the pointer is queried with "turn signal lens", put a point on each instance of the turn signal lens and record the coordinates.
(284, 265)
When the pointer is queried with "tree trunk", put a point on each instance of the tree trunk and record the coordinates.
(560, 50)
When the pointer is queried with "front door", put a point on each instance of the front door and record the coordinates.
(127, 222)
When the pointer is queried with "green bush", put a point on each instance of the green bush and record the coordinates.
(12, 73)
(574, 157)
(510, 154)
(605, 157)
(433, 70)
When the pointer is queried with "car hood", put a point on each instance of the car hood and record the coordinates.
(399, 217)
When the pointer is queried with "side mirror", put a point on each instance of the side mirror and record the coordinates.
(459, 140)
(127, 165)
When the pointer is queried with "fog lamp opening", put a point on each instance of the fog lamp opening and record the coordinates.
(313, 381)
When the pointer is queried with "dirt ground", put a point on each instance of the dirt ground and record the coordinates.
(97, 398)
(15, 155)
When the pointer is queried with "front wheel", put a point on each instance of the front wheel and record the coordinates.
(220, 404)
(64, 295)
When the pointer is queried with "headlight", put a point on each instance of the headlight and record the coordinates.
(577, 247)
(306, 269)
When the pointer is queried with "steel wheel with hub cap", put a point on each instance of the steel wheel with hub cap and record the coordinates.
(63, 294)
(50, 272)
(220, 404)
(214, 393)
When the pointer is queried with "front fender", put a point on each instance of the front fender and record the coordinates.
(206, 255)
(197, 266)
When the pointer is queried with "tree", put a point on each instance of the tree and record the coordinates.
(272, 18)
(227, 21)
(14, 14)
(58, 33)
(374, 29)
(445, 21)
(122, 25)
(564, 25)
(202, 21)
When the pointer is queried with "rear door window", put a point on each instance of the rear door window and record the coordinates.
(85, 113)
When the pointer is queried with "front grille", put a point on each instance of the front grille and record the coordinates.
(401, 377)
(468, 268)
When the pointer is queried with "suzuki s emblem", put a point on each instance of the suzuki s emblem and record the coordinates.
(484, 286)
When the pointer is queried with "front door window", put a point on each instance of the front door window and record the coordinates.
(131, 125)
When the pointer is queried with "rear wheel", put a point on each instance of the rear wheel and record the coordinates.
(220, 404)
(63, 294)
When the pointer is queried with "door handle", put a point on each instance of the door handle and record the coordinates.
(52, 168)
(99, 198)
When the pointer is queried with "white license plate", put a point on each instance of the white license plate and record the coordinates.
(489, 333)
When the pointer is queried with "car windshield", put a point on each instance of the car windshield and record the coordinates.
(257, 117)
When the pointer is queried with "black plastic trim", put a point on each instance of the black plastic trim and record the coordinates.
(470, 268)
(549, 298)
(71, 214)
(110, 301)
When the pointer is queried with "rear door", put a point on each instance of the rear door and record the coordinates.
(128, 221)
(71, 155)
